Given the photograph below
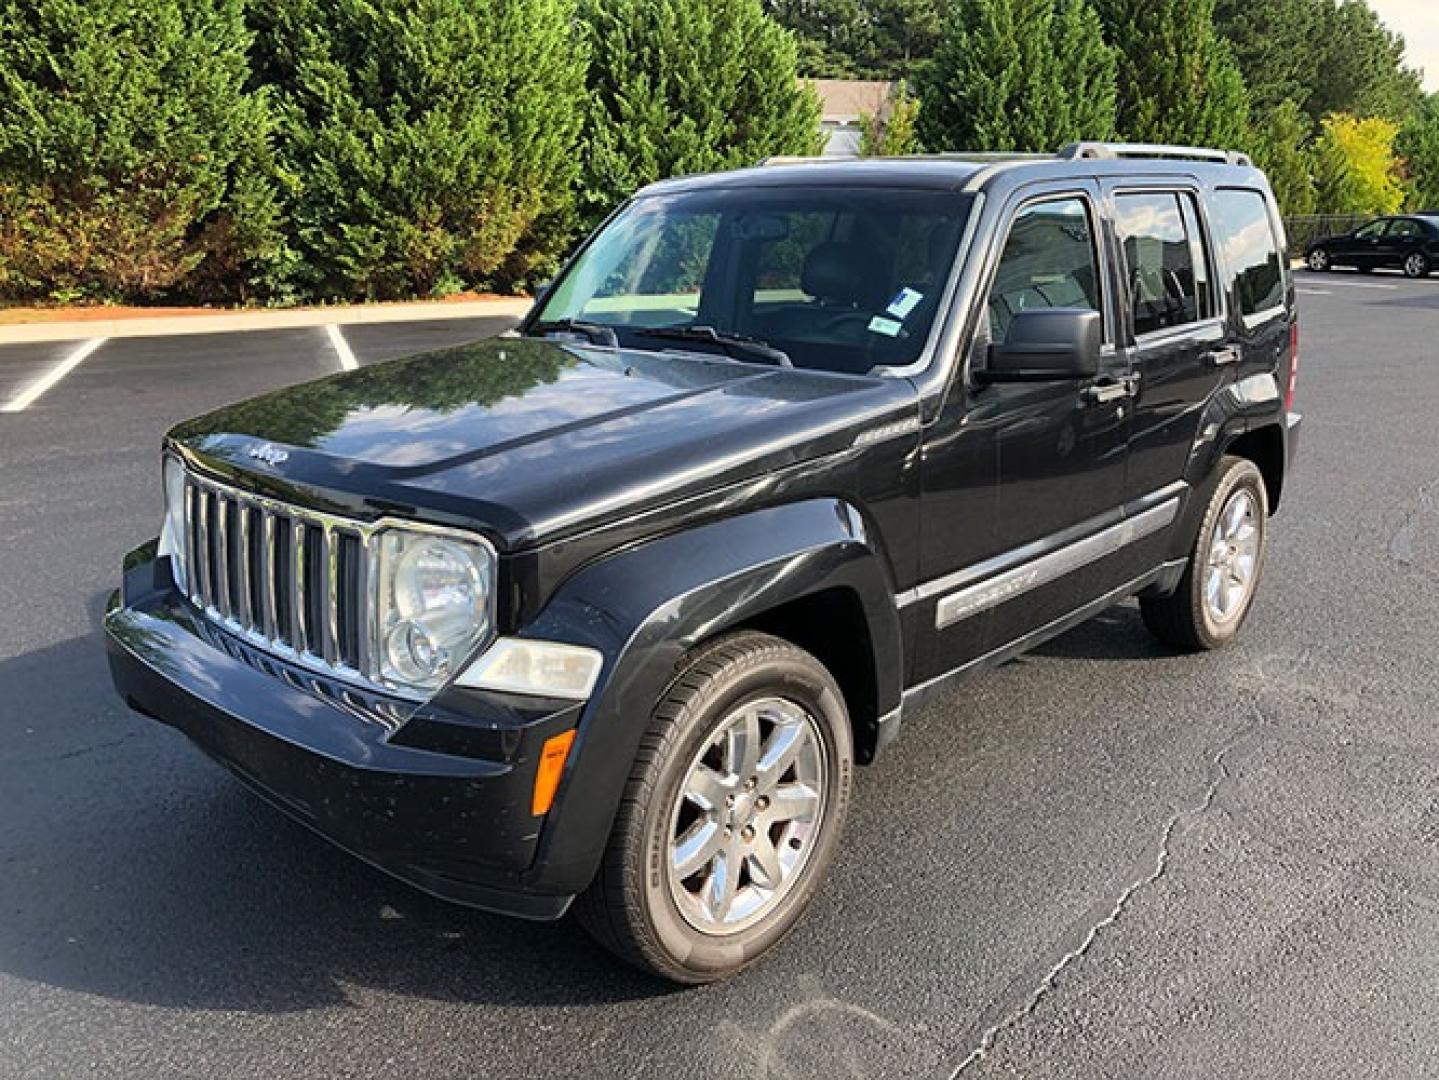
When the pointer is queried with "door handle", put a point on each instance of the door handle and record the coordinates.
(1110, 390)
(1230, 354)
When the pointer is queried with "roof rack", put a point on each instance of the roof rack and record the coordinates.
(1108, 151)
(978, 157)
(1086, 151)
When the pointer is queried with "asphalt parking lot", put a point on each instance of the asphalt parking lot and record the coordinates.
(1104, 860)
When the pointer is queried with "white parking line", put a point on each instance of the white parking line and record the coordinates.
(1314, 292)
(1353, 284)
(27, 397)
(342, 348)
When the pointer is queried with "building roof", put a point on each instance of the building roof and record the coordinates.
(844, 100)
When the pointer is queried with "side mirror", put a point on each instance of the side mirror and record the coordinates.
(1047, 345)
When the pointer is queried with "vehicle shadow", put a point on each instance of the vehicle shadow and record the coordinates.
(1117, 634)
(135, 869)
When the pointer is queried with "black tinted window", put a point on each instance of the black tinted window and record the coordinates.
(1251, 250)
(1167, 282)
(1049, 261)
(1405, 228)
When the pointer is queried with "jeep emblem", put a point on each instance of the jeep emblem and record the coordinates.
(270, 455)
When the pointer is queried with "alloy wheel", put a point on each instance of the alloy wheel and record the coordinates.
(1319, 260)
(1233, 564)
(1416, 265)
(747, 816)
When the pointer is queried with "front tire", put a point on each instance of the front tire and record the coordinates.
(1319, 261)
(731, 816)
(1217, 589)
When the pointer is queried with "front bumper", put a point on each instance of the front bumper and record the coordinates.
(437, 795)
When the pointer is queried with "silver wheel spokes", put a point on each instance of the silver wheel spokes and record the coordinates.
(1233, 558)
(746, 816)
(1416, 265)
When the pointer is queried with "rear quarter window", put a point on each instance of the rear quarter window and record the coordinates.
(1246, 237)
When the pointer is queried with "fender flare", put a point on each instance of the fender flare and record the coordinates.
(1235, 411)
(645, 607)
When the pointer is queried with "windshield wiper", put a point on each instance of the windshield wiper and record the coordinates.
(598, 333)
(736, 345)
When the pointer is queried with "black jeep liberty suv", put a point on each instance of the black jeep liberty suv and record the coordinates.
(604, 611)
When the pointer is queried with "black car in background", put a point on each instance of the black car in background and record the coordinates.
(1409, 243)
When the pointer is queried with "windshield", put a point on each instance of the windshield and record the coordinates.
(831, 279)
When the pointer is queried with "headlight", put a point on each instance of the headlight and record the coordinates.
(435, 605)
(172, 533)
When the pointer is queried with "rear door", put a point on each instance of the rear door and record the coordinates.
(1402, 238)
(1176, 340)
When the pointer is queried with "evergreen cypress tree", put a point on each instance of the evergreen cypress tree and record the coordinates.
(131, 153)
(894, 135)
(1281, 145)
(424, 138)
(681, 86)
(1178, 79)
(1419, 146)
(1026, 75)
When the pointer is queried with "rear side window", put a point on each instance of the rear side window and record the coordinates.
(1251, 250)
(1405, 229)
(1164, 256)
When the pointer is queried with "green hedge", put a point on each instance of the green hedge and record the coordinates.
(135, 160)
(278, 151)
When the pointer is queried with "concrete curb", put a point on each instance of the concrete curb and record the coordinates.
(232, 322)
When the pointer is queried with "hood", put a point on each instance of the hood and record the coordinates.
(534, 438)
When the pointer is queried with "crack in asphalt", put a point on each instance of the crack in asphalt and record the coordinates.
(1401, 544)
(1218, 772)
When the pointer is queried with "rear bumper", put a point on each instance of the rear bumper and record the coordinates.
(438, 795)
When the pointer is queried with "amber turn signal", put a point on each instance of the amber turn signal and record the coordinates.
(552, 764)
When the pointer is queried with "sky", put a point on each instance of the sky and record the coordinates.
(1418, 21)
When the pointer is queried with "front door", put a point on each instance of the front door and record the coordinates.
(1362, 249)
(1054, 453)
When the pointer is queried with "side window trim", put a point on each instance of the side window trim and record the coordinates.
(1201, 244)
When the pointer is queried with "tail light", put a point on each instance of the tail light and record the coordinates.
(1293, 366)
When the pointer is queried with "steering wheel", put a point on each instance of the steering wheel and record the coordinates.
(848, 325)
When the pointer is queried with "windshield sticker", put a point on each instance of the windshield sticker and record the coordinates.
(888, 327)
(904, 303)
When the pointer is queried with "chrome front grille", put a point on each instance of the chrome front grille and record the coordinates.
(291, 580)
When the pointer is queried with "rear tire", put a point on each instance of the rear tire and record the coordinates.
(1225, 564)
(1417, 265)
(741, 785)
